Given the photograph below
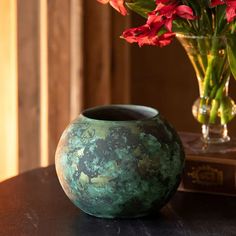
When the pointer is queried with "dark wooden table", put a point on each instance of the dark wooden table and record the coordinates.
(34, 204)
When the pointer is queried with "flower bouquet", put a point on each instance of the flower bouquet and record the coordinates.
(207, 31)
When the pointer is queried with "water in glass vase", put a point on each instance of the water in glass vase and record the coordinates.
(214, 108)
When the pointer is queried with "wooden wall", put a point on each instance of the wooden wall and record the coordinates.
(106, 56)
(69, 57)
(81, 70)
(8, 90)
(28, 51)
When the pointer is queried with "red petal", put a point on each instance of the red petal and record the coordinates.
(168, 24)
(231, 3)
(185, 12)
(164, 39)
(230, 13)
(119, 6)
(134, 35)
(215, 3)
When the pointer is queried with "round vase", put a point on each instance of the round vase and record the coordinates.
(214, 108)
(119, 161)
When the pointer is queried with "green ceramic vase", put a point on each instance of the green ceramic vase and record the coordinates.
(119, 161)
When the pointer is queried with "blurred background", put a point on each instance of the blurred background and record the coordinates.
(59, 57)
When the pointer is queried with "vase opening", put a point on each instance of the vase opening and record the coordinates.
(120, 113)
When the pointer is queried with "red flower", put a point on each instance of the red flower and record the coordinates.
(142, 36)
(169, 10)
(163, 16)
(164, 39)
(117, 4)
(230, 8)
(148, 33)
(137, 35)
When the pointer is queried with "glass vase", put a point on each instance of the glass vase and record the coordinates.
(213, 109)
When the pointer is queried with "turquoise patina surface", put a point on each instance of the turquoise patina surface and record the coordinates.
(119, 168)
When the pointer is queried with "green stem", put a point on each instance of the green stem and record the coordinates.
(214, 91)
(233, 28)
(203, 52)
(197, 66)
(225, 118)
(207, 79)
(208, 74)
(215, 106)
(217, 102)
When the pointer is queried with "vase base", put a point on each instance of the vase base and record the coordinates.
(214, 134)
(195, 144)
(210, 141)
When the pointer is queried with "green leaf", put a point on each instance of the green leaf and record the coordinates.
(182, 27)
(142, 7)
(221, 18)
(231, 51)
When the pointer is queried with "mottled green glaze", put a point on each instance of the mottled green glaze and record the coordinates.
(119, 168)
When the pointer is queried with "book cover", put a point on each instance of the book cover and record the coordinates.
(210, 173)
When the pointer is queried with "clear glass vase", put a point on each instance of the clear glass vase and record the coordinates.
(213, 109)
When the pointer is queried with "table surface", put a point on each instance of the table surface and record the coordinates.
(33, 203)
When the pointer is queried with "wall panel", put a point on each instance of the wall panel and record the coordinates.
(8, 90)
(28, 61)
(97, 56)
(69, 56)
(58, 71)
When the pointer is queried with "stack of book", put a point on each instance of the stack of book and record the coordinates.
(209, 173)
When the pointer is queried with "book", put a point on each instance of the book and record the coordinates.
(209, 172)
